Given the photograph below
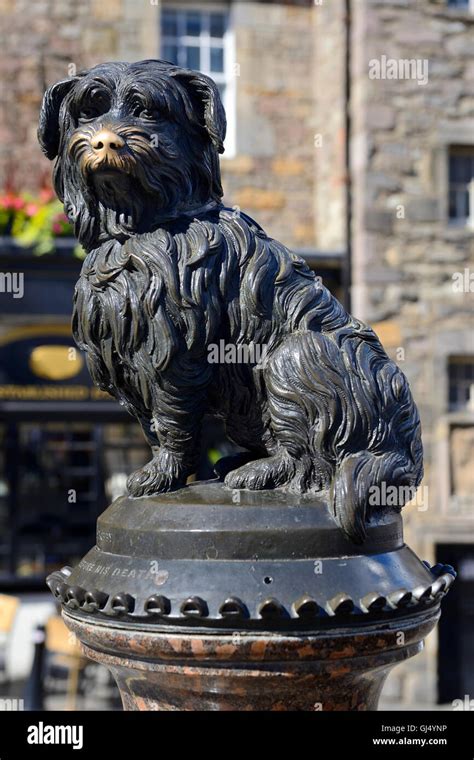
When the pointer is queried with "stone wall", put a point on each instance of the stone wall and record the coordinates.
(405, 252)
(272, 175)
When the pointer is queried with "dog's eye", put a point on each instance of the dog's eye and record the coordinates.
(95, 105)
(144, 113)
(89, 112)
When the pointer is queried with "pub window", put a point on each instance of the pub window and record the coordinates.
(461, 185)
(201, 39)
(461, 383)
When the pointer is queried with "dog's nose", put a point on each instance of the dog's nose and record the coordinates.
(106, 141)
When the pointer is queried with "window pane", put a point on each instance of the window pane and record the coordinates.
(453, 168)
(170, 53)
(461, 382)
(217, 24)
(169, 23)
(458, 204)
(192, 57)
(463, 204)
(217, 59)
(461, 174)
(453, 396)
(193, 24)
(452, 204)
(460, 169)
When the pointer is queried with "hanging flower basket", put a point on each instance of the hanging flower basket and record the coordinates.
(35, 224)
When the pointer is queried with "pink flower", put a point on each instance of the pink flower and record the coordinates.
(46, 195)
(17, 203)
(11, 201)
(31, 209)
(57, 229)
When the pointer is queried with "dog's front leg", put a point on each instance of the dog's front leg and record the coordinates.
(172, 432)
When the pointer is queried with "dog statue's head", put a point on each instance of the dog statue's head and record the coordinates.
(135, 145)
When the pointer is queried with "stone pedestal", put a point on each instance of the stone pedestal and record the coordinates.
(180, 670)
(208, 599)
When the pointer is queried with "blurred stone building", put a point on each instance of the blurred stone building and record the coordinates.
(351, 139)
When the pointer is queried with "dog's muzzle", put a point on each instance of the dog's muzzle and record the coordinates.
(100, 150)
(106, 145)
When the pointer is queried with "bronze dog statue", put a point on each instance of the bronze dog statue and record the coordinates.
(171, 272)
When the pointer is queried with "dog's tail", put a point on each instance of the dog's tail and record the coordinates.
(388, 471)
(361, 484)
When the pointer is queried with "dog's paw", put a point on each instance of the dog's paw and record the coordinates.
(260, 474)
(157, 476)
(230, 463)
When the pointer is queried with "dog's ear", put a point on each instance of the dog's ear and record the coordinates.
(48, 129)
(208, 110)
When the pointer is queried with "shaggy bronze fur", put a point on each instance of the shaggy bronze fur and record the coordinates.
(170, 272)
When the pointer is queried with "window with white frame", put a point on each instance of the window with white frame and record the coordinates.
(461, 383)
(461, 185)
(200, 38)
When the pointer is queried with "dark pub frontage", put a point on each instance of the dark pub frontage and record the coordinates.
(65, 446)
